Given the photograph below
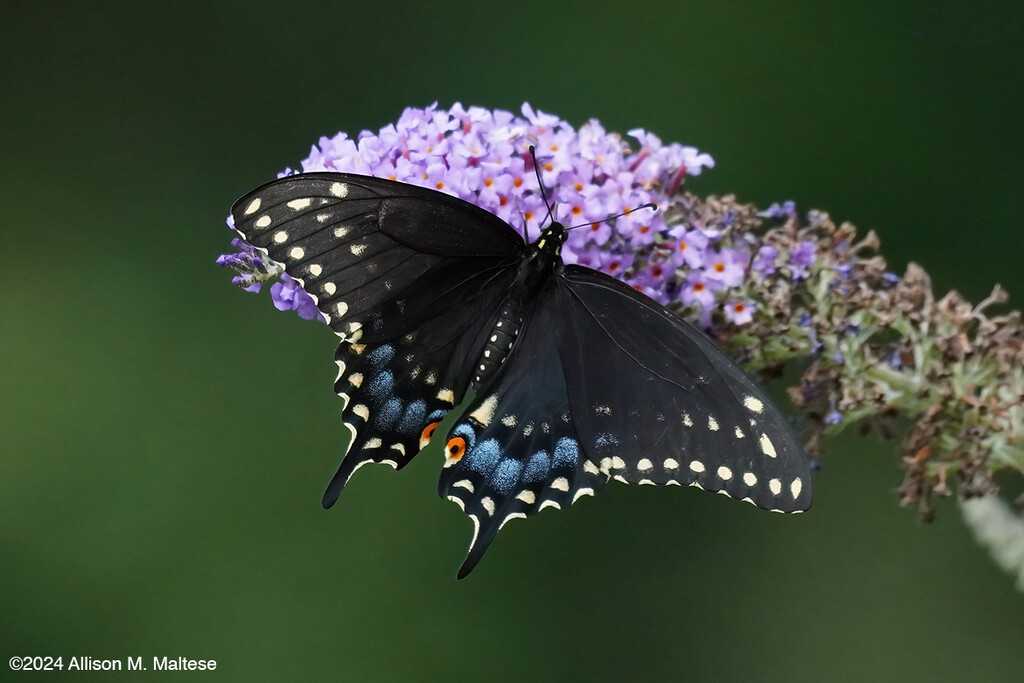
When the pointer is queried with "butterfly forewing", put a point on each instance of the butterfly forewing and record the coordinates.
(412, 299)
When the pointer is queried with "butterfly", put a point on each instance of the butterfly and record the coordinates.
(573, 377)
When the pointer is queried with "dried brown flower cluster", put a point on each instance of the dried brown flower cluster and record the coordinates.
(877, 346)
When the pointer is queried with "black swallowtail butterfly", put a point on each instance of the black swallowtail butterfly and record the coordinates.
(575, 377)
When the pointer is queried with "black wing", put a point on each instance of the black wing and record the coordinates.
(514, 451)
(604, 383)
(656, 402)
(409, 278)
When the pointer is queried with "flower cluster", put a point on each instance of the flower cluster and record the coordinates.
(482, 157)
(772, 286)
(880, 346)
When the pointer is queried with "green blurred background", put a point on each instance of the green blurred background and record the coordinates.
(166, 437)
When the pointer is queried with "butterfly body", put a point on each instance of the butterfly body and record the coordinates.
(574, 377)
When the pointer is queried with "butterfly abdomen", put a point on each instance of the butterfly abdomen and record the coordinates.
(499, 344)
(536, 272)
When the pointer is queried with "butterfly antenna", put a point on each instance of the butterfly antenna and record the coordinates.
(540, 182)
(649, 205)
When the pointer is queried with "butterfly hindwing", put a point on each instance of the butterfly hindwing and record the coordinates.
(655, 401)
(407, 277)
(515, 451)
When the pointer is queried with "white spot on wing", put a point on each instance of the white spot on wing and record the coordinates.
(767, 446)
(463, 484)
(315, 270)
(339, 190)
(697, 466)
(712, 424)
(299, 204)
(374, 443)
(560, 484)
(645, 465)
(582, 492)
(339, 309)
(297, 253)
(511, 516)
(485, 413)
(775, 486)
(253, 207)
(487, 504)
(749, 479)
(262, 222)
(590, 468)
(753, 404)
(362, 411)
(357, 249)
(670, 464)
(330, 288)
(796, 487)
(527, 497)
(724, 473)
(280, 237)
(446, 395)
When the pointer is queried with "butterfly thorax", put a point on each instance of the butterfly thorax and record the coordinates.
(541, 263)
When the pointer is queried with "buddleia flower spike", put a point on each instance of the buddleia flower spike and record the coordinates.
(571, 351)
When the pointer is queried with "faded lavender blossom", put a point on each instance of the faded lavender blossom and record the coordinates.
(771, 286)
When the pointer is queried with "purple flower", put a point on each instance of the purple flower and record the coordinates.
(740, 312)
(765, 260)
(696, 290)
(801, 259)
(833, 417)
(287, 295)
(727, 267)
(785, 210)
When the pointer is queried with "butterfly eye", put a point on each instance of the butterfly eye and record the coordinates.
(428, 432)
(456, 448)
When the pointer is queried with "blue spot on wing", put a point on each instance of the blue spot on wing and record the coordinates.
(506, 475)
(381, 387)
(381, 356)
(466, 432)
(567, 453)
(484, 456)
(413, 419)
(388, 414)
(537, 467)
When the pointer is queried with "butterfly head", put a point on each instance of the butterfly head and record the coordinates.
(551, 239)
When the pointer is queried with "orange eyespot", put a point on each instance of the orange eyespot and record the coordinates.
(428, 432)
(456, 448)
